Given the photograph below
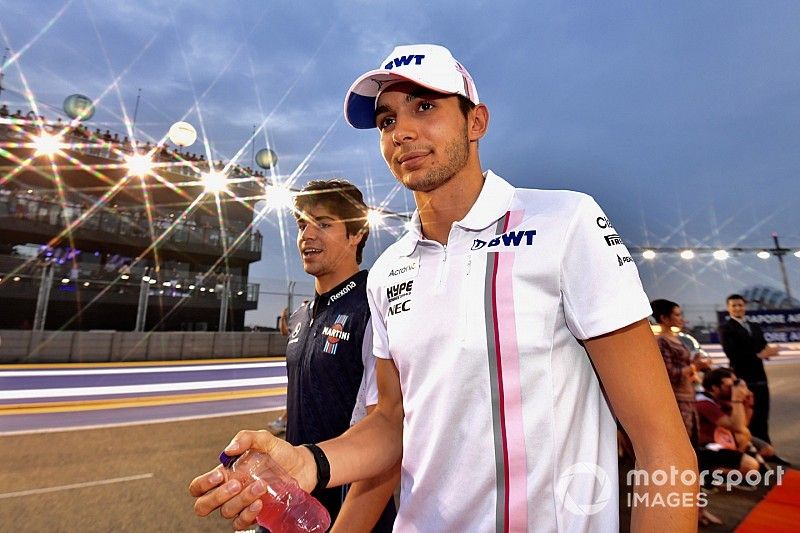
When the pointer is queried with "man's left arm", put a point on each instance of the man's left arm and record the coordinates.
(763, 349)
(366, 500)
(632, 372)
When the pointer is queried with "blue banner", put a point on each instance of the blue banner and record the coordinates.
(779, 325)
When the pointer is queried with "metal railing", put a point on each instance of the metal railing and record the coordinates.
(27, 206)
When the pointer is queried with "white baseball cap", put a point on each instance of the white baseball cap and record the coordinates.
(429, 65)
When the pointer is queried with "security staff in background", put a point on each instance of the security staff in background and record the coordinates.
(746, 348)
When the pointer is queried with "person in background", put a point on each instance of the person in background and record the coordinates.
(683, 376)
(329, 362)
(725, 407)
(744, 344)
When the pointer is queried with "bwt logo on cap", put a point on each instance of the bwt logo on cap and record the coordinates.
(404, 61)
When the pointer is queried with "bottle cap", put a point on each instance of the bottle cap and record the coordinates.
(227, 460)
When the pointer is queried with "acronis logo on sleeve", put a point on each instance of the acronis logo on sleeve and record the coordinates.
(510, 239)
(403, 61)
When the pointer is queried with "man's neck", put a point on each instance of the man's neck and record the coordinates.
(325, 283)
(449, 203)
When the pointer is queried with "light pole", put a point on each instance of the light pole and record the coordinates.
(43, 298)
(290, 297)
(779, 253)
(223, 306)
(144, 296)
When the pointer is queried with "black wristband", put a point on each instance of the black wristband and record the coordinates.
(323, 466)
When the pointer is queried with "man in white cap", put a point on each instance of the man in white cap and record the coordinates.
(483, 316)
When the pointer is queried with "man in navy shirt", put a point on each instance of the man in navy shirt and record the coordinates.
(331, 370)
(330, 367)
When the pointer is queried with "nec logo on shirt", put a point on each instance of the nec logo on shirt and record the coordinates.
(507, 240)
(404, 61)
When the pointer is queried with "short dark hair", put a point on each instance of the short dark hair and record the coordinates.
(465, 105)
(713, 378)
(662, 308)
(735, 297)
(341, 198)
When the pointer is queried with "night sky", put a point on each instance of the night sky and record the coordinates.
(681, 118)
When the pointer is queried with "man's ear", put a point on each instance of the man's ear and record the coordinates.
(355, 238)
(478, 122)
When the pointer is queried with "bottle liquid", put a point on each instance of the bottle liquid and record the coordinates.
(286, 507)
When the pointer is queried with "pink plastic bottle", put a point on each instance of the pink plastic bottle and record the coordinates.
(286, 507)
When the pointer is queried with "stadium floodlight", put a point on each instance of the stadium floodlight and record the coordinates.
(46, 144)
(85, 283)
(64, 280)
(125, 276)
(138, 165)
(177, 285)
(152, 281)
(374, 218)
(240, 293)
(202, 289)
(191, 287)
(278, 197)
(214, 182)
(763, 254)
(145, 278)
(797, 254)
(687, 254)
(167, 284)
(721, 255)
(649, 254)
(16, 278)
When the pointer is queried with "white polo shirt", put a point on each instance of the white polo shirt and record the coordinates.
(501, 401)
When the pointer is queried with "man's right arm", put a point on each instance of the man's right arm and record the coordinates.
(366, 450)
(375, 444)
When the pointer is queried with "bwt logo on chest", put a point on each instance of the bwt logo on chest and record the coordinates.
(403, 61)
(512, 238)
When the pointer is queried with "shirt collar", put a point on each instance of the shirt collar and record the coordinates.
(493, 202)
(322, 301)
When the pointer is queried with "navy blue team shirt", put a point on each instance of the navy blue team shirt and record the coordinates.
(324, 363)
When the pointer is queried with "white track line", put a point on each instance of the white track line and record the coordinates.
(147, 387)
(135, 370)
(74, 486)
(143, 422)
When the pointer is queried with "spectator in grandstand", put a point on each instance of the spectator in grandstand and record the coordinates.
(4, 112)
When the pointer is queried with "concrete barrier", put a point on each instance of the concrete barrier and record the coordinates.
(25, 346)
(129, 346)
(50, 347)
(226, 345)
(277, 344)
(256, 344)
(14, 345)
(91, 347)
(164, 346)
(198, 345)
